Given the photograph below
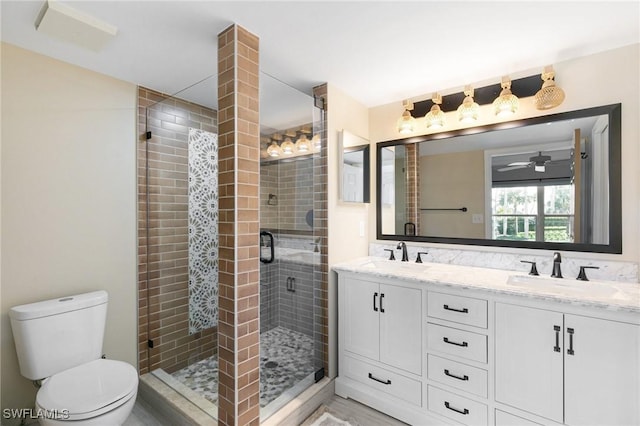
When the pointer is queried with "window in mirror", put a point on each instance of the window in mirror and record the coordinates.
(549, 182)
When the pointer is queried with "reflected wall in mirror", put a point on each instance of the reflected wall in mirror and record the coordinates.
(353, 168)
(549, 182)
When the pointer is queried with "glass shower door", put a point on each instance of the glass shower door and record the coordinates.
(178, 225)
(289, 285)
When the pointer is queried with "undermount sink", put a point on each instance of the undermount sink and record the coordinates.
(561, 285)
(395, 265)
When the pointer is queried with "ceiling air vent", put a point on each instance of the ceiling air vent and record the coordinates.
(68, 24)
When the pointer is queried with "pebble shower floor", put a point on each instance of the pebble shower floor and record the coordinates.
(286, 357)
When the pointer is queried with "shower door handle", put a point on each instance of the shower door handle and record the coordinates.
(267, 239)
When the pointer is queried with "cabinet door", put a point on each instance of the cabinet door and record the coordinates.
(401, 327)
(601, 372)
(529, 360)
(360, 313)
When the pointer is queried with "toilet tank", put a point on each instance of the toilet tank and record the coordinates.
(55, 335)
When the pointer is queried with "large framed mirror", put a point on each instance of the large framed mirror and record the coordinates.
(550, 182)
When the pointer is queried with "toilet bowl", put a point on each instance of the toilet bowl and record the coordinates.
(101, 392)
(59, 342)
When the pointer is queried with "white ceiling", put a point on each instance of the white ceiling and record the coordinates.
(377, 52)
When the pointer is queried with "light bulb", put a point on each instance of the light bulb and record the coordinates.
(468, 110)
(406, 123)
(287, 147)
(274, 150)
(302, 144)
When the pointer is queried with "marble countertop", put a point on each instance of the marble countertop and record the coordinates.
(610, 295)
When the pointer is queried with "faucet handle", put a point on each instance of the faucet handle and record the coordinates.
(391, 256)
(534, 269)
(419, 259)
(582, 275)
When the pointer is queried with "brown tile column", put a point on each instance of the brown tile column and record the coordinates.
(413, 194)
(239, 227)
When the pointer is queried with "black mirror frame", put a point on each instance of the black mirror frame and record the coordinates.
(614, 111)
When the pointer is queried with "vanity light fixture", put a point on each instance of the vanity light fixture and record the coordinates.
(468, 110)
(550, 95)
(274, 149)
(316, 142)
(406, 123)
(507, 103)
(435, 117)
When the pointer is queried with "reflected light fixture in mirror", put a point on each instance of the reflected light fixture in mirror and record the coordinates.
(316, 142)
(468, 110)
(550, 95)
(303, 144)
(435, 117)
(507, 103)
(287, 146)
(274, 149)
(406, 122)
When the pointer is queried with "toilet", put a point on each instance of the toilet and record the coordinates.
(59, 341)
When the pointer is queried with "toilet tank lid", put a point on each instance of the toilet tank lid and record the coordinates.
(57, 306)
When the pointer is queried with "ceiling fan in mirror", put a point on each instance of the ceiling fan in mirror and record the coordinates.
(538, 162)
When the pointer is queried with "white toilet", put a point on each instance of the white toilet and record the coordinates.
(60, 341)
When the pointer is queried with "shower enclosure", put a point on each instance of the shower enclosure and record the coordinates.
(178, 243)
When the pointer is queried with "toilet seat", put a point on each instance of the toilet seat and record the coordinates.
(89, 390)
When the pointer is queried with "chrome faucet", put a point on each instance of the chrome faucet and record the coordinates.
(403, 246)
(557, 260)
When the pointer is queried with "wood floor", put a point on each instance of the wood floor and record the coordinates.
(358, 414)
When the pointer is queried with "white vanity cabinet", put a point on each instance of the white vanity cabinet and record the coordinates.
(382, 322)
(443, 344)
(380, 344)
(568, 368)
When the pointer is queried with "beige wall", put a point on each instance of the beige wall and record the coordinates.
(345, 241)
(452, 180)
(601, 79)
(68, 198)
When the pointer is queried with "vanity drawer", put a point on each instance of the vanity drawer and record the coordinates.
(506, 419)
(457, 375)
(456, 407)
(456, 342)
(383, 380)
(463, 310)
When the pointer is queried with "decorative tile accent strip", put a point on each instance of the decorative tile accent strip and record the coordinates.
(203, 230)
(609, 270)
